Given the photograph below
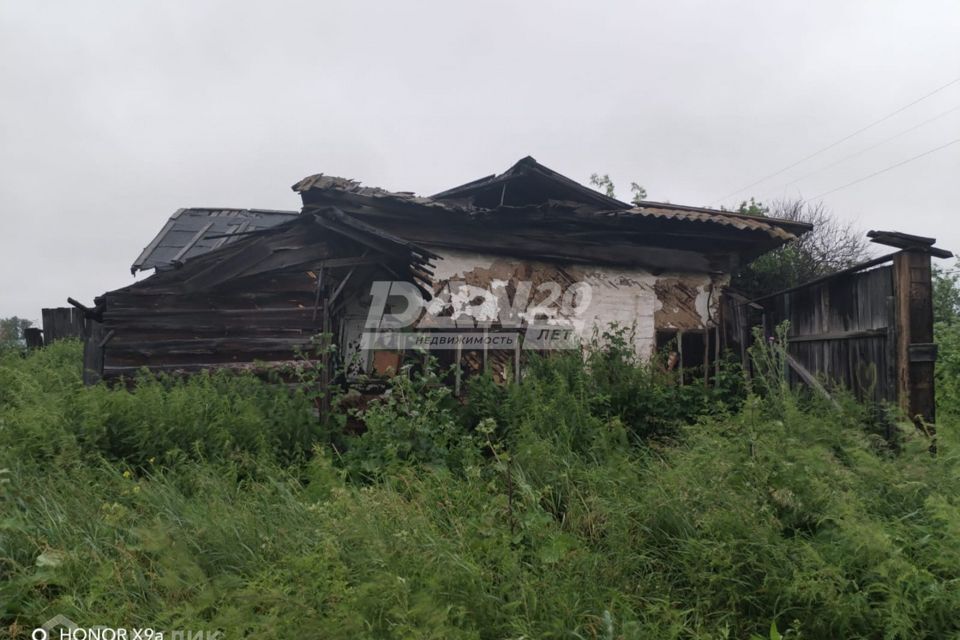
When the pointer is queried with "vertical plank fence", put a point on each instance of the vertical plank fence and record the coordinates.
(61, 323)
(868, 329)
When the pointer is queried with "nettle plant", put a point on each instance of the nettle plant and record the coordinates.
(415, 421)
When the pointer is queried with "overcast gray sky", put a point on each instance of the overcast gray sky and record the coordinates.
(115, 114)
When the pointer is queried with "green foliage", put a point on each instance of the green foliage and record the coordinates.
(753, 208)
(947, 336)
(11, 332)
(946, 295)
(556, 508)
(829, 247)
(946, 328)
(768, 357)
(574, 397)
(605, 184)
(48, 415)
(414, 423)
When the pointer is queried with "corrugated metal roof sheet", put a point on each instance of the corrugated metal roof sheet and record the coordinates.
(783, 229)
(195, 231)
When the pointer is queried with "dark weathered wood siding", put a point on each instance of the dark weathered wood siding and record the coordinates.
(62, 322)
(263, 319)
(262, 299)
(844, 330)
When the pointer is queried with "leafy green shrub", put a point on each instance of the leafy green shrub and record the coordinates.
(946, 313)
(568, 394)
(415, 422)
(948, 368)
(652, 402)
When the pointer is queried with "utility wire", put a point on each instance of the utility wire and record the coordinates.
(841, 140)
(884, 170)
(871, 147)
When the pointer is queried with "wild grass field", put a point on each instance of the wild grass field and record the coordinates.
(594, 500)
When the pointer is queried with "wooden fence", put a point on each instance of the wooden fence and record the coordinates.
(868, 329)
(843, 329)
(63, 322)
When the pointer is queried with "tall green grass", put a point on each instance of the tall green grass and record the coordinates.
(47, 414)
(595, 500)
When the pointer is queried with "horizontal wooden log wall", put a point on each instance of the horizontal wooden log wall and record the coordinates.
(266, 320)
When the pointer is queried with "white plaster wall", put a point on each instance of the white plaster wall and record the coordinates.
(625, 296)
(622, 296)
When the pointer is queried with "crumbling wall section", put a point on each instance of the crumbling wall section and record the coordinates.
(633, 298)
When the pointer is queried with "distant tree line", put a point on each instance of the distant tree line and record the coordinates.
(11, 331)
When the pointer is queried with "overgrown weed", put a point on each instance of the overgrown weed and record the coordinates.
(597, 499)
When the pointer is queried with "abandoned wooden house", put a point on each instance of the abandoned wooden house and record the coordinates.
(236, 287)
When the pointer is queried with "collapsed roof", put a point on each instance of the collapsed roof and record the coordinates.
(532, 211)
(311, 241)
(528, 210)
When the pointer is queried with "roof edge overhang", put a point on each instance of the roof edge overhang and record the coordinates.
(794, 227)
(219, 214)
(709, 230)
(252, 255)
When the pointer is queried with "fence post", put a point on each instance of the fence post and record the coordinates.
(916, 351)
(516, 360)
(93, 345)
(33, 337)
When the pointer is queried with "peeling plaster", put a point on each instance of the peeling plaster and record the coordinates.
(635, 299)
(477, 288)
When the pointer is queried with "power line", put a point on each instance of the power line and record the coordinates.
(876, 173)
(872, 147)
(841, 140)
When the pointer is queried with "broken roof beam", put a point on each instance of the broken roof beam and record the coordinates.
(908, 242)
(217, 272)
(370, 236)
(550, 209)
